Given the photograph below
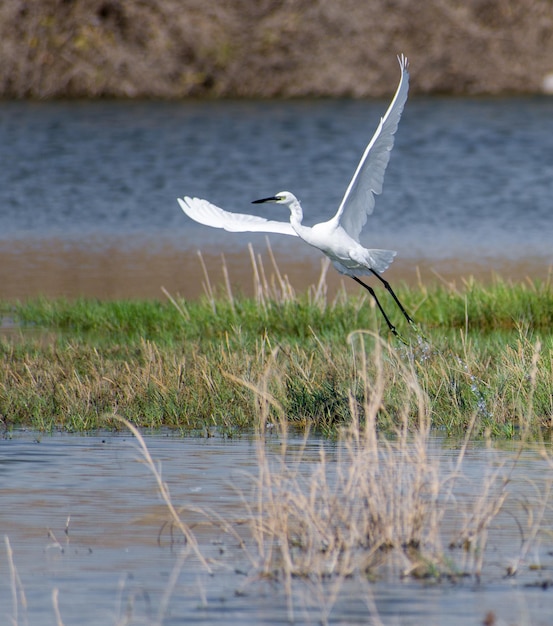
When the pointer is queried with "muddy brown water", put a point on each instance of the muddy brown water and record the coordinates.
(111, 271)
(82, 516)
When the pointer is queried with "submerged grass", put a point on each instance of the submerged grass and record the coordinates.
(486, 352)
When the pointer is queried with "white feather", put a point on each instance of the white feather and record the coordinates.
(208, 214)
(358, 201)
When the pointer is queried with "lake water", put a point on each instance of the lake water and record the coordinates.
(88, 190)
(117, 559)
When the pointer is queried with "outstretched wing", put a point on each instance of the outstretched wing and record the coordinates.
(208, 214)
(358, 201)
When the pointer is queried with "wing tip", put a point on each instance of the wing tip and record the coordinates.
(184, 203)
(403, 62)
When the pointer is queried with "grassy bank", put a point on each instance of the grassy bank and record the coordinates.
(485, 359)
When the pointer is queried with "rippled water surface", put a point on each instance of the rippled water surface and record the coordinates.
(119, 558)
(88, 190)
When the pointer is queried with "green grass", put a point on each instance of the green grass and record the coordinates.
(476, 306)
(485, 359)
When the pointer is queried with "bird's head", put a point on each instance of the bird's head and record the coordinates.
(283, 197)
(289, 200)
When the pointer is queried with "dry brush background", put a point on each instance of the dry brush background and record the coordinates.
(267, 48)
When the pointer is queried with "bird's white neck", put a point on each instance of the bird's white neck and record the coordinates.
(296, 213)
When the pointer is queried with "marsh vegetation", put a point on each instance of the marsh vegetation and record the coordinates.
(282, 365)
(483, 358)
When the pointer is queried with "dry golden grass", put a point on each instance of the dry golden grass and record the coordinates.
(379, 497)
(371, 505)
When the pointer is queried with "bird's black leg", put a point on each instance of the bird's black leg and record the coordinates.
(373, 294)
(391, 292)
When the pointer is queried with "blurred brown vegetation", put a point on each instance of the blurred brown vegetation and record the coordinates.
(267, 48)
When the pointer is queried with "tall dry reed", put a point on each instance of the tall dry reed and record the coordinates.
(371, 505)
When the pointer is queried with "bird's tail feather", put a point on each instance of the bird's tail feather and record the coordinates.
(380, 260)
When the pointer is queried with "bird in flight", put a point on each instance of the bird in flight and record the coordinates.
(338, 238)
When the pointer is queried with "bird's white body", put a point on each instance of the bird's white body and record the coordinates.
(346, 253)
(338, 238)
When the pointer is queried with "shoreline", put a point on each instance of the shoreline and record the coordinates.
(55, 268)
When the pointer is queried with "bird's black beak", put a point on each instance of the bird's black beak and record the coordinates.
(271, 199)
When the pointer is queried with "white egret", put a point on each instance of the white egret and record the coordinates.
(338, 238)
